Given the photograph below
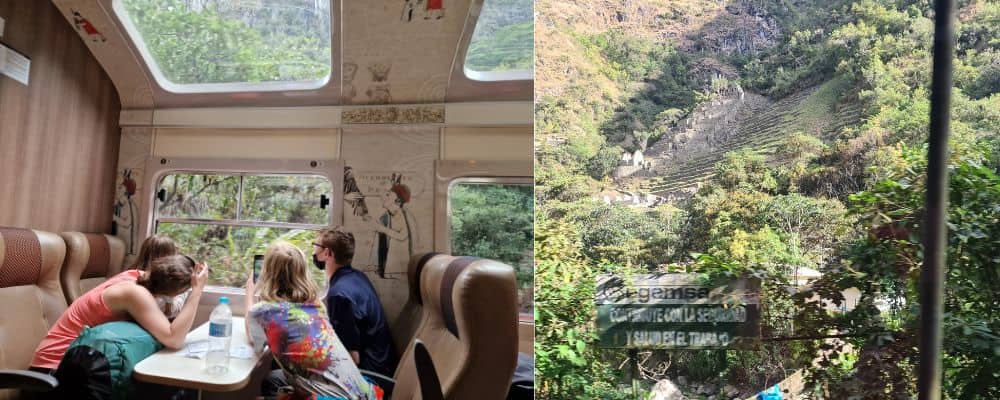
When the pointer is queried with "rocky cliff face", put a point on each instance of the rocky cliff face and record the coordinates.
(709, 33)
(744, 28)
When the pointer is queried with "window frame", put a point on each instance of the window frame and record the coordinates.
(135, 37)
(157, 168)
(470, 85)
(447, 171)
(480, 180)
(239, 204)
(489, 76)
(523, 318)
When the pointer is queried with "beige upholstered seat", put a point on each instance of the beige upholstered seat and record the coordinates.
(91, 258)
(409, 319)
(469, 325)
(30, 293)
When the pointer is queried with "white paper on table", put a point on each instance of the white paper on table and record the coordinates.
(241, 351)
(198, 349)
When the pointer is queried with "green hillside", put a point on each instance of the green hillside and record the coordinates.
(781, 134)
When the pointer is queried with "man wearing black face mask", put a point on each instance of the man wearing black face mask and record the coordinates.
(354, 309)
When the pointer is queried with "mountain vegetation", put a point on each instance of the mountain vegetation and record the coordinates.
(779, 134)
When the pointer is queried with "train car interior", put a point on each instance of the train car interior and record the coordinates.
(228, 125)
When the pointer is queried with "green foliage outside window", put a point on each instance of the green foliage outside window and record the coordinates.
(194, 42)
(228, 244)
(849, 205)
(495, 221)
(504, 37)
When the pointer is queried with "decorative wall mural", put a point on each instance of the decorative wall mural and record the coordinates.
(394, 228)
(83, 25)
(384, 224)
(379, 92)
(435, 9)
(348, 92)
(409, 6)
(378, 158)
(395, 115)
(126, 212)
(134, 150)
(432, 9)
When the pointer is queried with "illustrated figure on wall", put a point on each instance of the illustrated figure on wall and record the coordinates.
(394, 229)
(408, 7)
(82, 24)
(435, 9)
(352, 193)
(125, 219)
(349, 92)
(379, 92)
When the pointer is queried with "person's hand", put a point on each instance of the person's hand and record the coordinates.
(367, 218)
(353, 196)
(200, 276)
(251, 286)
(251, 291)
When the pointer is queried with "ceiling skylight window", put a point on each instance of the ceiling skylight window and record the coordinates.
(199, 46)
(501, 46)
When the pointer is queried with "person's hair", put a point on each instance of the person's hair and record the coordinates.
(154, 247)
(285, 276)
(402, 193)
(340, 241)
(168, 275)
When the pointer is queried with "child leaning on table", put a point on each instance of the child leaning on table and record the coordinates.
(152, 248)
(291, 320)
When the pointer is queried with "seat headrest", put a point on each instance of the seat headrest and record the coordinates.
(455, 268)
(21, 255)
(99, 255)
(468, 278)
(90, 258)
(413, 271)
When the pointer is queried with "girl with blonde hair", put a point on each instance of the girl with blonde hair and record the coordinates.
(291, 320)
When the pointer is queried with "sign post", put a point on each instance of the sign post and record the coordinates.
(676, 311)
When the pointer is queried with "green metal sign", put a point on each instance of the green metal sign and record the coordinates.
(676, 311)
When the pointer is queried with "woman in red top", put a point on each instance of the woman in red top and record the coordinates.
(129, 295)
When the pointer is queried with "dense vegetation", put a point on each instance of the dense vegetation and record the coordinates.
(194, 42)
(495, 221)
(849, 205)
(218, 219)
(240, 215)
(503, 38)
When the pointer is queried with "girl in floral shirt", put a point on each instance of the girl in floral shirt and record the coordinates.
(291, 320)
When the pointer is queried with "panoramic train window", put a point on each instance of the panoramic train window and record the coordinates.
(226, 219)
(231, 45)
(492, 218)
(502, 44)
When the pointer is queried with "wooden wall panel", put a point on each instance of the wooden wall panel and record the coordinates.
(58, 135)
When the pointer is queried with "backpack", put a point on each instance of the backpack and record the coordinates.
(771, 393)
(99, 363)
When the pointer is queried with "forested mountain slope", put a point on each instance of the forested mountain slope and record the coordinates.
(781, 134)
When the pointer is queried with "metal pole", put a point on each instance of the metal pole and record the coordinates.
(936, 232)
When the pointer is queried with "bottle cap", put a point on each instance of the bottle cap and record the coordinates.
(223, 300)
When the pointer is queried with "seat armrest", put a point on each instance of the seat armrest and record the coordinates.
(384, 382)
(430, 385)
(27, 380)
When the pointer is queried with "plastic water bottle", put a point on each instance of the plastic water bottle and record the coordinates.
(220, 334)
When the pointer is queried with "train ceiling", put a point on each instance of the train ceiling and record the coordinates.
(383, 52)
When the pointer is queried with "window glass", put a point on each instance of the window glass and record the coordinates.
(502, 44)
(494, 220)
(229, 250)
(198, 196)
(225, 219)
(294, 199)
(192, 45)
